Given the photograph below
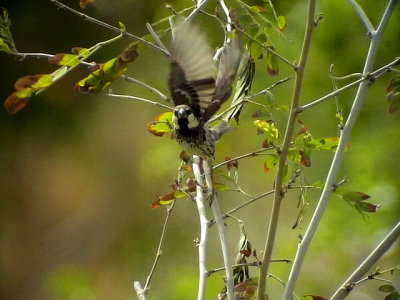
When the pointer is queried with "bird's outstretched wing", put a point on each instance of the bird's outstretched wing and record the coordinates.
(227, 69)
(192, 75)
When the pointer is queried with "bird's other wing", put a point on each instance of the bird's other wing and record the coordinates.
(192, 74)
(227, 69)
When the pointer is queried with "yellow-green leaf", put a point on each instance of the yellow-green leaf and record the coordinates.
(281, 23)
(161, 125)
(270, 163)
(269, 128)
(43, 82)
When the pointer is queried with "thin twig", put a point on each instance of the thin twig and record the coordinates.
(250, 154)
(270, 87)
(139, 99)
(228, 214)
(149, 87)
(228, 18)
(279, 192)
(156, 38)
(367, 264)
(108, 26)
(363, 16)
(160, 247)
(373, 75)
(199, 7)
(46, 56)
(374, 276)
(337, 160)
(266, 48)
(247, 99)
(203, 228)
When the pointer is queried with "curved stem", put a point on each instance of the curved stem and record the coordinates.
(279, 192)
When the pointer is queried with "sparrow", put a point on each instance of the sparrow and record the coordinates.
(198, 88)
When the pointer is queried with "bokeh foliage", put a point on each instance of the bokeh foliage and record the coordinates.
(79, 172)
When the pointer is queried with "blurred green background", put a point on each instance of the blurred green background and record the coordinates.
(79, 172)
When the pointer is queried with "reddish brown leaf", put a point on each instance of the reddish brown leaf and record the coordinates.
(83, 89)
(231, 164)
(129, 54)
(55, 59)
(184, 156)
(305, 159)
(76, 50)
(257, 114)
(265, 144)
(302, 130)
(84, 3)
(13, 104)
(27, 81)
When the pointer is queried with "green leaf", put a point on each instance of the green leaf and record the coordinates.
(393, 93)
(108, 72)
(4, 47)
(281, 23)
(162, 124)
(328, 143)
(312, 297)
(256, 50)
(318, 184)
(6, 40)
(386, 288)
(43, 82)
(270, 162)
(258, 9)
(62, 59)
(354, 196)
(272, 64)
(225, 176)
(220, 187)
(393, 296)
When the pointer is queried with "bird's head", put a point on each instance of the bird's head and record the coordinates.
(184, 117)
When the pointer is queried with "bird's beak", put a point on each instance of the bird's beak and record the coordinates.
(181, 113)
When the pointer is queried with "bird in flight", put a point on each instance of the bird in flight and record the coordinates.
(198, 88)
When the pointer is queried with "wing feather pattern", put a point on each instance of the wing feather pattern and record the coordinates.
(192, 76)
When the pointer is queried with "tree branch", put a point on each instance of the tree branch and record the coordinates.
(108, 26)
(149, 87)
(160, 247)
(343, 141)
(139, 99)
(363, 17)
(279, 192)
(199, 7)
(368, 263)
(369, 77)
(221, 231)
(203, 228)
